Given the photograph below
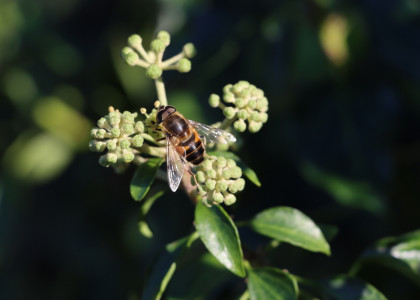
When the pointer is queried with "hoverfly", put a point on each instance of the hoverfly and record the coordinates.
(184, 144)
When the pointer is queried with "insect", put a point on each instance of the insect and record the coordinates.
(184, 142)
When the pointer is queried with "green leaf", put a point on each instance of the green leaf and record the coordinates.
(198, 278)
(248, 172)
(401, 253)
(292, 226)
(220, 236)
(144, 209)
(143, 178)
(271, 283)
(349, 288)
(165, 267)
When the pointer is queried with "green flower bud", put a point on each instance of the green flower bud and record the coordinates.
(184, 65)
(127, 156)
(221, 162)
(239, 125)
(263, 117)
(116, 132)
(94, 132)
(137, 141)
(97, 146)
(127, 129)
(139, 127)
(243, 114)
(262, 104)
(165, 37)
(236, 172)
(255, 116)
(240, 102)
(129, 56)
(125, 144)
(157, 46)
(114, 119)
(218, 197)
(111, 145)
(200, 176)
(103, 161)
(254, 126)
(252, 103)
(230, 163)
(214, 100)
(189, 50)
(222, 185)
(153, 71)
(239, 86)
(229, 112)
(102, 122)
(226, 174)
(211, 173)
(135, 41)
(227, 89)
(230, 199)
(128, 117)
(111, 158)
(210, 184)
(229, 97)
(101, 133)
(241, 184)
(207, 164)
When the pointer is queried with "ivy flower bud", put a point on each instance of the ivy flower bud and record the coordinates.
(239, 125)
(214, 100)
(229, 112)
(255, 126)
(111, 145)
(219, 178)
(102, 123)
(139, 127)
(94, 132)
(116, 132)
(243, 114)
(230, 199)
(97, 146)
(137, 141)
(184, 65)
(165, 37)
(129, 56)
(153, 71)
(157, 46)
(101, 133)
(111, 158)
(135, 41)
(125, 144)
(127, 156)
(189, 50)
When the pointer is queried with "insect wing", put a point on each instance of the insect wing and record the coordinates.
(213, 134)
(174, 166)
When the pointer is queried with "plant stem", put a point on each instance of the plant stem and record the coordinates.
(227, 122)
(160, 89)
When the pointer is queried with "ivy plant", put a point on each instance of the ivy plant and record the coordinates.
(125, 138)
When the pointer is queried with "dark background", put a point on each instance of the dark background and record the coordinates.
(342, 143)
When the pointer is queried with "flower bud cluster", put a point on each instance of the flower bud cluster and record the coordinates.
(136, 55)
(118, 134)
(219, 179)
(249, 106)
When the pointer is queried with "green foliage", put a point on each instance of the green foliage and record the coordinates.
(144, 177)
(287, 224)
(271, 283)
(220, 236)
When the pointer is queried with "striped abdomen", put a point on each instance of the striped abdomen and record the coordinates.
(194, 149)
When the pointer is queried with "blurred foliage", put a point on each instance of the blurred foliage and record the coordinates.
(342, 143)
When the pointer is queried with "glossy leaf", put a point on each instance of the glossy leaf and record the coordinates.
(220, 236)
(144, 177)
(348, 288)
(289, 225)
(144, 209)
(401, 253)
(271, 283)
(247, 171)
(165, 267)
